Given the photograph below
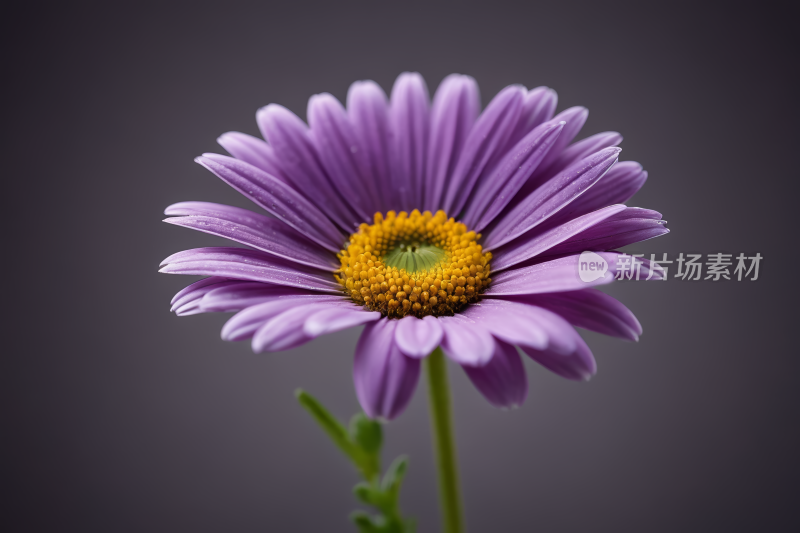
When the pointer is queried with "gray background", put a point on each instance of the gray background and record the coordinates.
(122, 417)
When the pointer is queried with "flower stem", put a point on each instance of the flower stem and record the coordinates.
(444, 442)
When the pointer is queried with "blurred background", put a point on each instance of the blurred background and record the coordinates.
(119, 416)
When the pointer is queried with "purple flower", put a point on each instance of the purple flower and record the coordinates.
(359, 233)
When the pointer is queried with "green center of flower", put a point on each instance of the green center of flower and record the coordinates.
(414, 257)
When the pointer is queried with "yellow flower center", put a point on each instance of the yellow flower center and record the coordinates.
(418, 264)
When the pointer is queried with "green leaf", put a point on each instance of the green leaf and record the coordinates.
(367, 494)
(364, 522)
(335, 430)
(362, 444)
(367, 433)
(394, 475)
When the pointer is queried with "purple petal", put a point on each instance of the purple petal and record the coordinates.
(298, 325)
(193, 287)
(627, 227)
(245, 323)
(276, 198)
(620, 234)
(523, 324)
(250, 265)
(578, 365)
(368, 110)
(341, 154)
(561, 275)
(466, 341)
(537, 108)
(187, 301)
(252, 150)
(418, 338)
(535, 243)
(285, 330)
(243, 294)
(492, 195)
(637, 212)
(502, 380)
(582, 149)
(592, 310)
(331, 320)
(489, 135)
(384, 378)
(575, 118)
(616, 187)
(253, 229)
(557, 275)
(456, 105)
(507, 325)
(290, 140)
(410, 121)
(551, 197)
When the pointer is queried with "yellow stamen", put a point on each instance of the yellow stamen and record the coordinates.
(418, 264)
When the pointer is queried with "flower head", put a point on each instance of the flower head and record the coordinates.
(431, 224)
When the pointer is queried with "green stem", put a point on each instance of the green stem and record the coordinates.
(444, 442)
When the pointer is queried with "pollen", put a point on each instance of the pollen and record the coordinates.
(414, 264)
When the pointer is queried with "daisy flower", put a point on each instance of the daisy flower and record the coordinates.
(431, 223)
